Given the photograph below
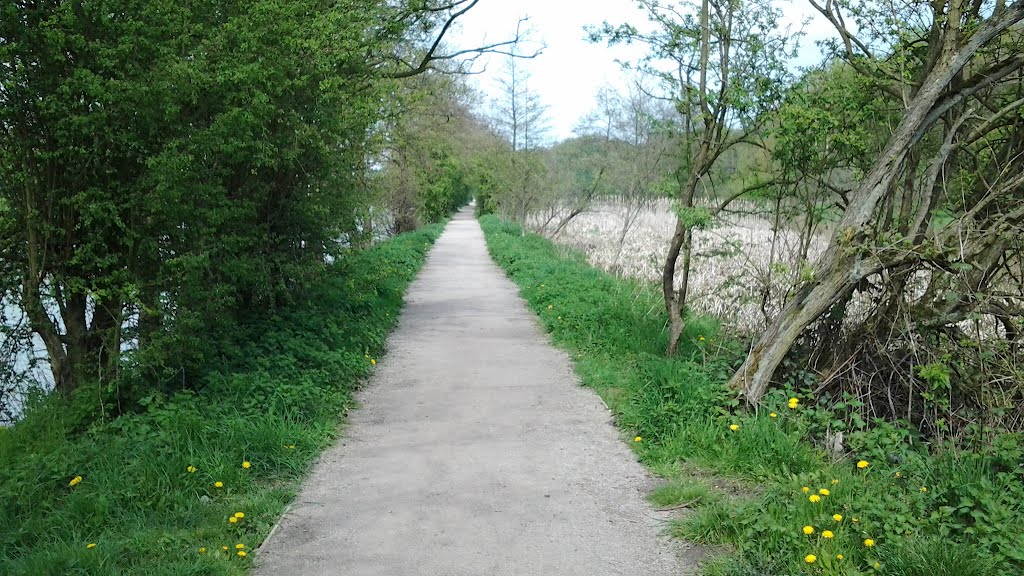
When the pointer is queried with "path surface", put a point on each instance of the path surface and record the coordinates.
(474, 453)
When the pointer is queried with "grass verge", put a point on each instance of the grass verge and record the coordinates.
(155, 492)
(786, 507)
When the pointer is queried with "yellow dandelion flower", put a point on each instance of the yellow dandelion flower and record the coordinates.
(75, 481)
(824, 492)
(246, 465)
(734, 427)
(202, 550)
(808, 530)
(638, 439)
(805, 489)
(837, 517)
(898, 474)
(827, 534)
(794, 402)
(551, 306)
(810, 558)
(869, 542)
(90, 545)
(924, 489)
(774, 415)
(239, 546)
(191, 469)
(863, 464)
(814, 498)
(839, 556)
(700, 338)
(834, 481)
(878, 564)
(218, 484)
(373, 362)
(224, 548)
(291, 446)
(242, 554)
(233, 520)
(239, 515)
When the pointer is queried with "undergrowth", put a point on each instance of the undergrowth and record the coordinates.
(154, 492)
(888, 506)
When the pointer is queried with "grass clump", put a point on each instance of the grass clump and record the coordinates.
(866, 513)
(193, 481)
(681, 492)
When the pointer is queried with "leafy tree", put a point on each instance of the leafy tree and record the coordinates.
(723, 62)
(425, 164)
(168, 169)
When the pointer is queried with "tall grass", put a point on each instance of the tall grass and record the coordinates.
(679, 417)
(148, 501)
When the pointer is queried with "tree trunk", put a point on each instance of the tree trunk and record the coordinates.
(813, 300)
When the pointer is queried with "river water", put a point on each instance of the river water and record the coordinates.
(23, 369)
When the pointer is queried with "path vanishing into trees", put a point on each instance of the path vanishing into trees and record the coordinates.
(475, 452)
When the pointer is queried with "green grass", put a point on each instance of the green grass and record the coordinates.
(681, 492)
(277, 405)
(614, 329)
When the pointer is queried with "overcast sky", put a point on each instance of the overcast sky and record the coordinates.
(571, 70)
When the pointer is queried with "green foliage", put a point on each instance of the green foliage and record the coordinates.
(275, 402)
(185, 165)
(614, 330)
(928, 557)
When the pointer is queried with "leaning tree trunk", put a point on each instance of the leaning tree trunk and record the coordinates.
(839, 269)
(809, 304)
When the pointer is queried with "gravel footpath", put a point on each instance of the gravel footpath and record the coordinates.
(475, 452)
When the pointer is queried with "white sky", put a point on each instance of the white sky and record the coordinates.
(570, 71)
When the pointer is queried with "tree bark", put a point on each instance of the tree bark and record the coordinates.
(809, 304)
